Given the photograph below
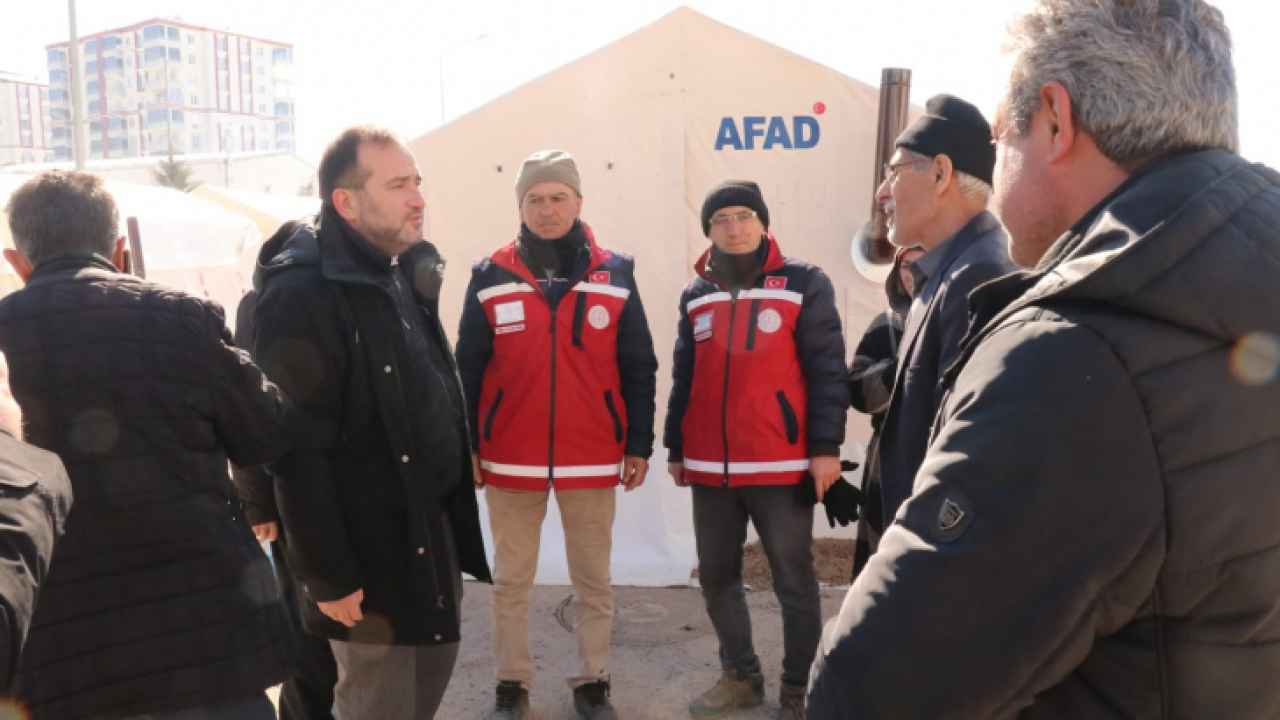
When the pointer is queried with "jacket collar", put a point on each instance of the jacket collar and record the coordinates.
(934, 264)
(72, 262)
(773, 260)
(508, 257)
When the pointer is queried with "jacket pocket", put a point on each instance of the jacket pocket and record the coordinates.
(493, 410)
(789, 418)
(613, 413)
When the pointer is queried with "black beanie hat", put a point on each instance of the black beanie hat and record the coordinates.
(952, 127)
(734, 193)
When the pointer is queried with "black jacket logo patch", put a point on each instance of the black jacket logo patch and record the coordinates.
(950, 516)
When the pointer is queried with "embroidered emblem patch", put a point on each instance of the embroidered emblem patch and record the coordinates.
(599, 278)
(775, 283)
(598, 317)
(950, 516)
(702, 326)
(769, 320)
(507, 313)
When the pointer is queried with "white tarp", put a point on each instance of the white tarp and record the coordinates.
(187, 243)
(655, 120)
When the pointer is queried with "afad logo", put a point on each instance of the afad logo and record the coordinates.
(801, 134)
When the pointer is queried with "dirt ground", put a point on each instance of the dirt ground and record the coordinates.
(664, 649)
(663, 652)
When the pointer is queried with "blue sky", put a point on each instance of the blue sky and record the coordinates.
(379, 60)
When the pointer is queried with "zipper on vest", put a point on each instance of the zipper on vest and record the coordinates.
(752, 321)
(551, 433)
(724, 401)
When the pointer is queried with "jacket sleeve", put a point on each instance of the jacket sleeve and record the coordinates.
(953, 312)
(820, 344)
(253, 484)
(253, 419)
(473, 352)
(681, 383)
(638, 371)
(300, 344)
(875, 364)
(1034, 528)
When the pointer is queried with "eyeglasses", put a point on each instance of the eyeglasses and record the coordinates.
(740, 217)
(891, 171)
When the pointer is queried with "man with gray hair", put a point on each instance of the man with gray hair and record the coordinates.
(159, 602)
(1093, 532)
(935, 194)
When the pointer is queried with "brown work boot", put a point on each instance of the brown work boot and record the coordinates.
(591, 701)
(791, 702)
(511, 703)
(734, 691)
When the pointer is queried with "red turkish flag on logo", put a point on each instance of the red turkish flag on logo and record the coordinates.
(600, 278)
(775, 283)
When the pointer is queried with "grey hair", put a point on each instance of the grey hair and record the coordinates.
(1145, 77)
(63, 211)
(971, 188)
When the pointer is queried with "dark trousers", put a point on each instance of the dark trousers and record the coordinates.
(255, 708)
(309, 696)
(785, 527)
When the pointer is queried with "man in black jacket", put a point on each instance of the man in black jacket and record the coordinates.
(159, 600)
(1093, 532)
(376, 497)
(935, 193)
(309, 694)
(35, 495)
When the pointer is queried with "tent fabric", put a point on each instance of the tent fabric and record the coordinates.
(652, 121)
(187, 242)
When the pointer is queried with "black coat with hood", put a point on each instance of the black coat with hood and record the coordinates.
(365, 493)
(1093, 533)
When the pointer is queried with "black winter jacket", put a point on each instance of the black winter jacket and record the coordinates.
(158, 598)
(1093, 533)
(355, 492)
(35, 496)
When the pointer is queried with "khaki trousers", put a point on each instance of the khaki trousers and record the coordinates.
(515, 518)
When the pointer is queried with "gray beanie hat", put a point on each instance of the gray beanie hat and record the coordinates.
(547, 166)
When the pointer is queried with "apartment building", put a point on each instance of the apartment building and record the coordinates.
(164, 84)
(26, 134)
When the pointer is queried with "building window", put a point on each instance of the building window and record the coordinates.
(57, 76)
(262, 89)
(95, 107)
(191, 59)
(178, 117)
(173, 33)
(153, 32)
(60, 56)
(224, 103)
(25, 124)
(175, 54)
(91, 47)
(61, 133)
(262, 70)
(115, 123)
(244, 46)
(24, 106)
(282, 55)
(59, 114)
(111, 42)
(92, 87)
(95, 146)
(284, 128)
(195, 142)
(175, 95)
(155, 116)
(224, 83)
(222, 44)
(284, 108)
(191, 39)
(91, 67)
(262, 108)
(113, 63)
(244, 68)
(222, 64)
(195, 100)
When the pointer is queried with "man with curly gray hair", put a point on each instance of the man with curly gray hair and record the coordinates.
(1092, 533)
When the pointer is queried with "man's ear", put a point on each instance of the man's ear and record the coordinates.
(1055, 114)
(943, 171)
(346, 203)
(20, 264)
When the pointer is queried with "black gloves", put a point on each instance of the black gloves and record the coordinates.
(841, 500)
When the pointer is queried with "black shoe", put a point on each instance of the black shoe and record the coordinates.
(592, 701)
(511, 703)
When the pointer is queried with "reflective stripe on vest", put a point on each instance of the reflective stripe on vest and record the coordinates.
(746, 468)
(561, 471)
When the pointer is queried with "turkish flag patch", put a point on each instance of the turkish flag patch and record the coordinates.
(600, 278)
(775, 283)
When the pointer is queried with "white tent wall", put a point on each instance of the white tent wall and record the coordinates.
(641, 116)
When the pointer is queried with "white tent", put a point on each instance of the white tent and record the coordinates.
(655, 120)
(187, 243)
